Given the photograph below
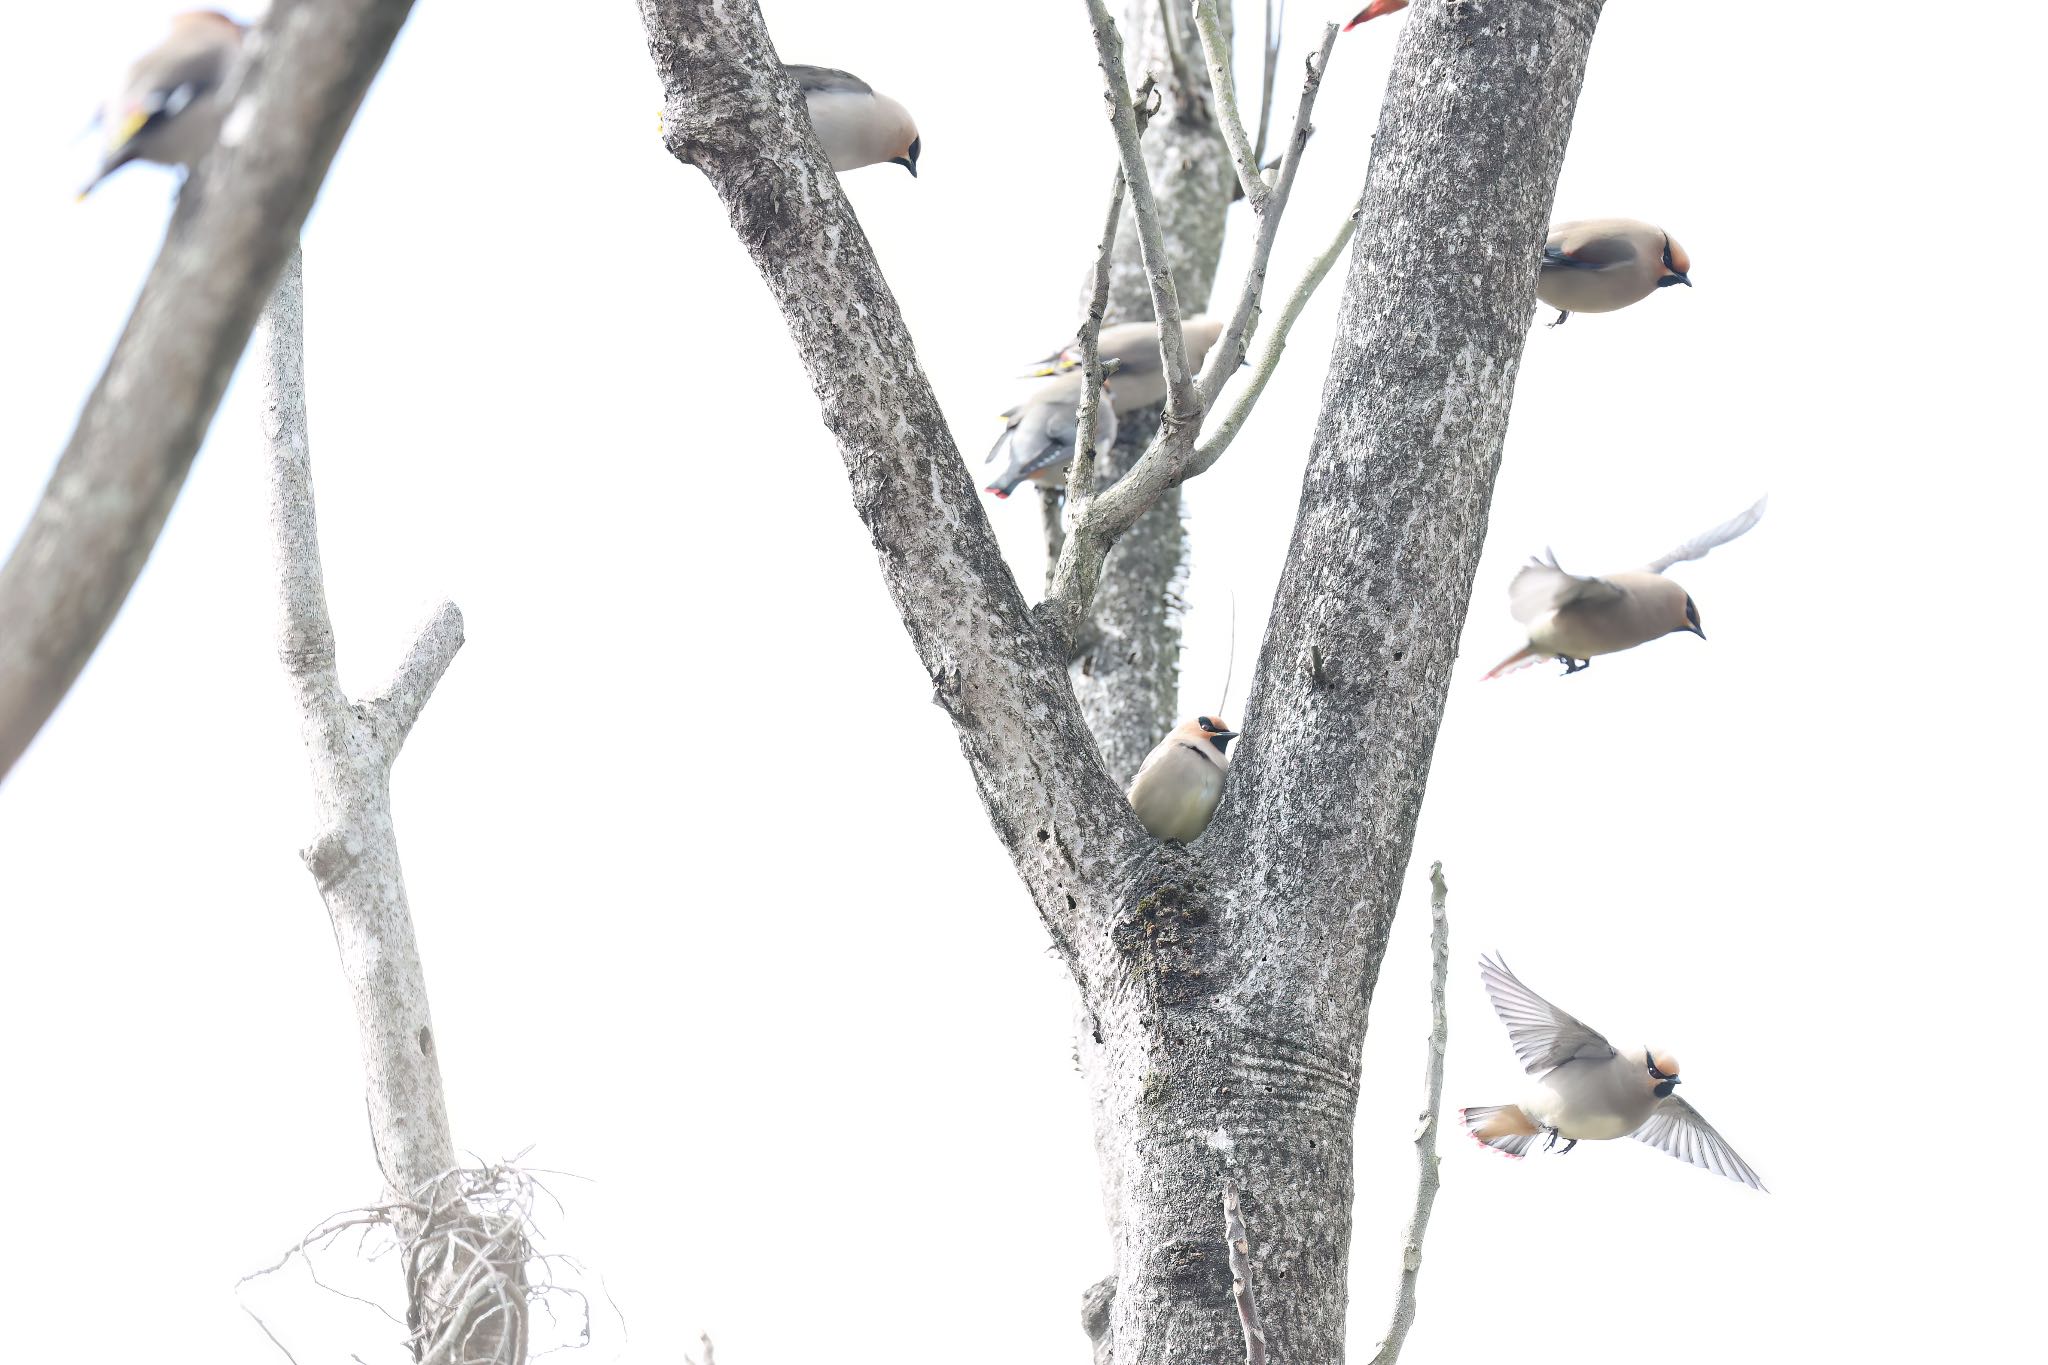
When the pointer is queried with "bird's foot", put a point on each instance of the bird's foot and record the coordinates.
(1561, 316)
(1572, 665)
(1569, 1143)
(1549, 1138)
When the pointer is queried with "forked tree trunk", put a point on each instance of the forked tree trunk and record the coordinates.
(1227, 983)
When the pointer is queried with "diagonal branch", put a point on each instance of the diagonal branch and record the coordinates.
(1426, 1125)
(306, 69)
(995, 669)
(1216, 51)
(1276, 15)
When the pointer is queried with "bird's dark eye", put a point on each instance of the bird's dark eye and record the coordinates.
(1651, 1062)
(1667, 255)
(1207, 724)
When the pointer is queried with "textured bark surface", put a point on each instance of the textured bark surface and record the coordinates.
(239, 214)
(1127, 668)
(465, 1270)
(1225, 984)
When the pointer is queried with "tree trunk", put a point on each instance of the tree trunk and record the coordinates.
(1226, 983)
(1127, 670)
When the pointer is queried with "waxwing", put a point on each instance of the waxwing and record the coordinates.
(856, 126)
(1181, 780)
(1039, 434)
(1600, 264)
(1134, 347)
(168, 109)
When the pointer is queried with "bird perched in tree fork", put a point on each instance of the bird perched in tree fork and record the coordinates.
(168, 109)
(1133, 347)
(1181, 780)
(1589, 1090)
(1600, 264)
(1571, 618)
(856, 125)
(1039, 433)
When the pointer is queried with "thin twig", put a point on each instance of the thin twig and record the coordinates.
(1216, 51)
(1272, 342)
(1425, 1128)
(1239, 1242)
(1184, 92)
(1181, 407)
(1229, 352)
(1276, 16)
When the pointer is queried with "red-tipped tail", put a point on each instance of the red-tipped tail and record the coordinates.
(998, 490)
(1521, 658)
(1374, 11)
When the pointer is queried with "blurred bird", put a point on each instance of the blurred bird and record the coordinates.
(168, 109)
(856, 126)
(1181, 780)
(1572, 618)
(1039, 434)
(1588, 1090)
(1134, 347)
(1374, 11)
(1601, 264)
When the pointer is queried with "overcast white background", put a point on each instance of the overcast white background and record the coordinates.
(795, 1020)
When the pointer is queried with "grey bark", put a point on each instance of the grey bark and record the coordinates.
(1226, 983)
(465, 1276)
(1126, 670)
(307, 67)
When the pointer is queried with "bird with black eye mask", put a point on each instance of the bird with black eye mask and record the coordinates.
(1587, 1089)
(1181, 781)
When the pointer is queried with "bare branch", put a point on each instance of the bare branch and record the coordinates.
(1426, 1125)
(1239, 1242)
(1229, 351)
(1273, 342)
(1276, 14)
(1186, 95)
(1180, 387)
(1081, 473)
(396, 705)
(1216, 51)
(306, 69)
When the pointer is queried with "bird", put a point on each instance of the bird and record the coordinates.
(1597, 265)
(1134, 346)
(1589, 1090)
(1039, 434)
(1374, 11)
(1571, 618)
(856, 125)
(1181, 780)
(168, 109)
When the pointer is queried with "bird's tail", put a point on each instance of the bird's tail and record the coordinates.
(1374, 11)
(1503, 1127)
(1521, 658)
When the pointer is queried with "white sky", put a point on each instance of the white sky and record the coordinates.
(800, 1028)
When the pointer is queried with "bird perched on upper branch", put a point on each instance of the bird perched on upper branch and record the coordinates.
(1039, 433)
(1572, 619)
(1600, 264)
(1589, 1090)
(168, 109)
(1181, 780)
(1140, 370)
(856, 125)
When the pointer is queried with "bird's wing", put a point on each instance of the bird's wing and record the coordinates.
(1675, 1127)
(1697, 547)
(1544, 1035)
(824, 79)
(1065, 358)
(1543, 587)
(1597, 253)
(1010, 421)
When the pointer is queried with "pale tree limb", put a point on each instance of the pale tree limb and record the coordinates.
(1425, 1125)
(1187, 96)
(307, 66)
(1272, 344)
(710, 1356)
(466, 1281)
(1109, 52)
(1216, 51)
(1238, 1241)
(1095, 523)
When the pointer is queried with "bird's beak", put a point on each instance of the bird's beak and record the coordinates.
(907, 164)
(1224, 734)
(1672, 279)
(1697, 631)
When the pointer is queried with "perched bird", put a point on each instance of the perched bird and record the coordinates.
(1601, 264)
(1181, 780)
(1572, 618)
(1374, 11)
(1039, 434)
(856, 126)
(1134, 346)
(1587, 1090)
(168, 109)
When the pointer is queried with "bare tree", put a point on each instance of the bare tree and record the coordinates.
(1226, 983)
(463, 1235)
(304, 73)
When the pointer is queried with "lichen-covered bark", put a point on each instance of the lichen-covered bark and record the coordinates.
(1127, 668)
(1224, 985)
